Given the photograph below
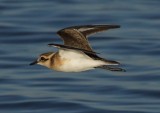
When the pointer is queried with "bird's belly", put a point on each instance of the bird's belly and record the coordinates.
(79, 65)
(76, 61)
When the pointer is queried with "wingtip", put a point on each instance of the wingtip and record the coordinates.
(115, 26)
(109, 26)
(118, 26)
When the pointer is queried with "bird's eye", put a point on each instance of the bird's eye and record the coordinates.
(42, 59)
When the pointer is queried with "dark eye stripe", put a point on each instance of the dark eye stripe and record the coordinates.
(43, 59)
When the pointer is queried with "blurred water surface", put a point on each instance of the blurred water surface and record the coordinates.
(27, 26)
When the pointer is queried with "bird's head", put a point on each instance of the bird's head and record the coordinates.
(44, 59)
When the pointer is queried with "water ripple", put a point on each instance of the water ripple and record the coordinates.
(26, 27)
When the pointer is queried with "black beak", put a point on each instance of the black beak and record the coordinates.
(35, 62)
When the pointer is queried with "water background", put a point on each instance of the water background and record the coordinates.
(27, 26)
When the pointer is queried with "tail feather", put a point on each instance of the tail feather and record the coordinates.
(111, 68)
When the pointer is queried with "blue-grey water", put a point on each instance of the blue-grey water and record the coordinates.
(27, 26)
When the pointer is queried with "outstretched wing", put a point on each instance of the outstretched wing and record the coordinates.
(76, 36)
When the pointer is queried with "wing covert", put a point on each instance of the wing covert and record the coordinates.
(76, 36)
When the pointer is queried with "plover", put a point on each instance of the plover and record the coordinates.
(76, 54)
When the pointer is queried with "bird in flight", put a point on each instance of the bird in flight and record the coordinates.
(76, 54)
